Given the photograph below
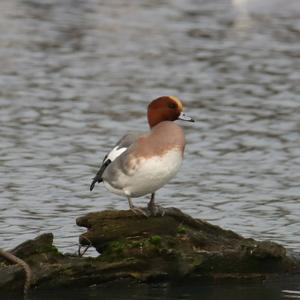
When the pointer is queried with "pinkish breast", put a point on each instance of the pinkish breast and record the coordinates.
(162, 138)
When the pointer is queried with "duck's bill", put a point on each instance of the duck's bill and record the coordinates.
(183, 117)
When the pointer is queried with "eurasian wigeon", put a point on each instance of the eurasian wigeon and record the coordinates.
(141, 163)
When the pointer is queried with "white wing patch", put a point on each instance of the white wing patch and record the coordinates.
(114, 153)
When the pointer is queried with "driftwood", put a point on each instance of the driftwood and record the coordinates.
(167, 248)
(16, 260)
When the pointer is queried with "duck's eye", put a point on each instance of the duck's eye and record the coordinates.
(172, 105)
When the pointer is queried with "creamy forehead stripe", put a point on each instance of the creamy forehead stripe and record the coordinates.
(177, 101)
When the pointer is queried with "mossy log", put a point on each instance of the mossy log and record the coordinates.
(167, 248)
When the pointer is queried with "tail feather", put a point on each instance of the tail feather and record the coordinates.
(98, 177)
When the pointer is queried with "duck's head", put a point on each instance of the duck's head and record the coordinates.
(166, 108)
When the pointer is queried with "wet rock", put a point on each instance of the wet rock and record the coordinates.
(137, 248)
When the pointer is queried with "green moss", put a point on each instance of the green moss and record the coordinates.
(181, 229)
(155, 239)
(3, 264)
(43, 248)
(135, 244)
(117, 247)
(53, 249)
(198, 260)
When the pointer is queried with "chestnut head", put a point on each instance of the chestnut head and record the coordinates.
(166, 108)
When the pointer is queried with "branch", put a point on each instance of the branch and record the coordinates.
(28, 273)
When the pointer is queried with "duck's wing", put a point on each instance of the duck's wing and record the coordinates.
(122, 145)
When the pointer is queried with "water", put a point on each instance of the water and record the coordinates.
(269, 290)
(76, 75)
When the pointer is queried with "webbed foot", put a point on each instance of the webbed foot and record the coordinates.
(156, 210)
(140, 211)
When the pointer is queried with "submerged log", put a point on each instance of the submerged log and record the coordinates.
(174, 246)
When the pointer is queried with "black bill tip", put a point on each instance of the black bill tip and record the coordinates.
(186, 118)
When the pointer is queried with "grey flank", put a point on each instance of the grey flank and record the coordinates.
(127, 140)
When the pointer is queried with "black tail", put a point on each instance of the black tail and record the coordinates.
(98, 177)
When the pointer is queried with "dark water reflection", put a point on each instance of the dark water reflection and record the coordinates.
(75, 75)
(270, 290)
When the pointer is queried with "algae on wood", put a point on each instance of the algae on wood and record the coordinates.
(175, 246)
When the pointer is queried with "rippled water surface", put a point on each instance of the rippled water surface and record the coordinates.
(120, 290)
(76, 75)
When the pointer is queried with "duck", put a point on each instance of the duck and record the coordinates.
(142, 163)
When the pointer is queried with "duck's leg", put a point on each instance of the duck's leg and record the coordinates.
(154, 209)
(138, 210)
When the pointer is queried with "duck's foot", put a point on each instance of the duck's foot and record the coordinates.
(152, 210)
(138, 210)
(149, 211)
(156, 210)
(141, 211)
